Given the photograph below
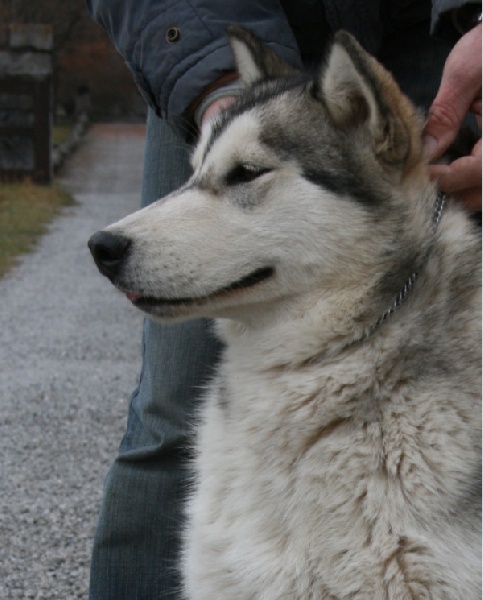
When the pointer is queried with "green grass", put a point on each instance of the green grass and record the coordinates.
(60, 133)
(25, 211)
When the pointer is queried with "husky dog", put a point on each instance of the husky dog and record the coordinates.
(338, 452)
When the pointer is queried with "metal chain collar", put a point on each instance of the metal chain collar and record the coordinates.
(408, 286)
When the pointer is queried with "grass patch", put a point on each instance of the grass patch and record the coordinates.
(25, 211)
(60, 133)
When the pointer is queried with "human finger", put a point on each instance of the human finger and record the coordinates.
(462, 177)
(470, 198)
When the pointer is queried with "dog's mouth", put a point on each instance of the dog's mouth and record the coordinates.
(255, 278)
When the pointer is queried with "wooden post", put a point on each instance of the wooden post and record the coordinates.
(26, 102)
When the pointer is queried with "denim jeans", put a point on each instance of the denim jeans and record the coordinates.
(136, 543)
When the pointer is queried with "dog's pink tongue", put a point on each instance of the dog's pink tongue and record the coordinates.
(132, 296)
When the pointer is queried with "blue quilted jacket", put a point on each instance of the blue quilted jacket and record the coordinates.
(176, 48)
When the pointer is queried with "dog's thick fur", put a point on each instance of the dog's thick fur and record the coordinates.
(334, 459)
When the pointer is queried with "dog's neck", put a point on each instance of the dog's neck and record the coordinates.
(400, 298)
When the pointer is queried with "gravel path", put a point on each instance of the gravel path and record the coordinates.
(69, 359)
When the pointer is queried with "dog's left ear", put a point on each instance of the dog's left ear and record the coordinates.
(255, 61)
(359, 92)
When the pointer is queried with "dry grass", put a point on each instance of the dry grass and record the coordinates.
(25, 211)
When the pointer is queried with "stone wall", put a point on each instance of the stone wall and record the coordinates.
(26, 102)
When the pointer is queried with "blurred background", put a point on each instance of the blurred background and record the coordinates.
(71, 156)
(60, 77)
(83, 60)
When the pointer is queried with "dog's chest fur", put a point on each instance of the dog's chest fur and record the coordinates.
(337, 480)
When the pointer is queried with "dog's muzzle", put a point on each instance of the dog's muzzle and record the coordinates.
(109, 252)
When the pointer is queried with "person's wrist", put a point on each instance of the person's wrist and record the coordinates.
(216, 101)
(214, 108)
(226, 85)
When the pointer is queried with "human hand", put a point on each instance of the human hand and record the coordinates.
(460, 92)
(215, 108)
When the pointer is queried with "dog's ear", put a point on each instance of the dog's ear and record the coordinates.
(255, 61)
(358, 91)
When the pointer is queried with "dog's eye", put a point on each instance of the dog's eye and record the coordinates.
(244, 173)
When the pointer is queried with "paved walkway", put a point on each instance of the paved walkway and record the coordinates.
(69, 359)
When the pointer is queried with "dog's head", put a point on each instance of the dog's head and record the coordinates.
(306, 185)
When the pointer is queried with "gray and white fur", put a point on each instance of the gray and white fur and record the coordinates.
(334, 459)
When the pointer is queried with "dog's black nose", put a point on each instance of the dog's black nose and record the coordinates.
(109, 251)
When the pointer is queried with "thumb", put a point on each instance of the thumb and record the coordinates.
(444, 121)
(460, 85)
